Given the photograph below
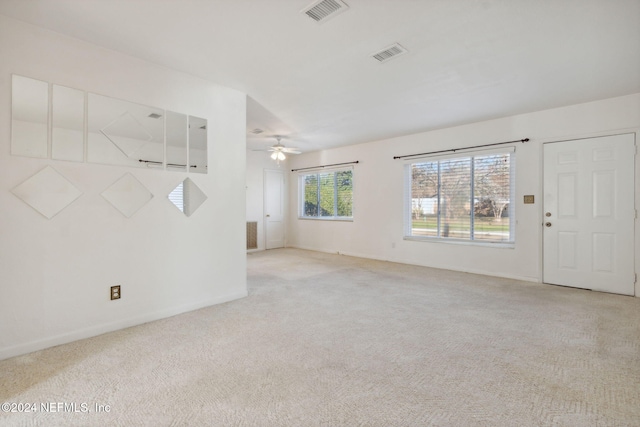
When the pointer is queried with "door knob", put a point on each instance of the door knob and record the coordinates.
(548, 224)
(268, 215)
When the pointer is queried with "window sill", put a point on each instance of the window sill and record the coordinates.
(501, 245)
(314, 218)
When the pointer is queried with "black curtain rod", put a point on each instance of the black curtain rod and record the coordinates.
(325, 166)
(453, 150)
(159, 163)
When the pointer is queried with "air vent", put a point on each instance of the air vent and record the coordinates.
(252, 235)
(389, 53)
(154, 116)
(323, 10)
(256, 131)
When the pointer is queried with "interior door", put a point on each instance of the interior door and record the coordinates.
(274, 208)
(589, 213)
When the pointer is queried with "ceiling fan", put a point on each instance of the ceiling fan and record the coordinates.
(278, 150)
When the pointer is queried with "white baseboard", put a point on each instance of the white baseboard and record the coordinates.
(96, 330)
(440, 267)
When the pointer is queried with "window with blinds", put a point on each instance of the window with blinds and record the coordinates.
(326, 195)
(461, 198)
(177, 196)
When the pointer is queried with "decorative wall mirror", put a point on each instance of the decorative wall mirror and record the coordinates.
(197, 145)
(29, 118)
(99, 129)
(48, 192)
(67, 118)
(176, 141)
(127, 195)
(187, 197)
(124, 133)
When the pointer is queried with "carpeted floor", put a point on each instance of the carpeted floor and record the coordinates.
(329, 340)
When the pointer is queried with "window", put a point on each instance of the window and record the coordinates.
(326, 195)
(461, 198)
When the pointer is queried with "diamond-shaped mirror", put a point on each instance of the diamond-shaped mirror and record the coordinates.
(187, 197)
(47, 192)
(127, 195)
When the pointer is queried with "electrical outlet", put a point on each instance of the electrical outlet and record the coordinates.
(115, 292)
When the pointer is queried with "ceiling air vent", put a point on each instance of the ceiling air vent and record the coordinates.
(154, 115)
(256, 131)
(323, 10)
(389, 53)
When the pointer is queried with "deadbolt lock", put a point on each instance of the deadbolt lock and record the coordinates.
(547, 214)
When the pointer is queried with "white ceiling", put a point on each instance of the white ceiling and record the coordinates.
(468, 60)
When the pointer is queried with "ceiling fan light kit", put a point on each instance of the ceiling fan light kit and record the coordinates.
(278, 150)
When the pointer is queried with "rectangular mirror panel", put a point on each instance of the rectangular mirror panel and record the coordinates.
(197, 145)
(67, 133)
(29, 117)
(176, 129)
(100, 129)
(124, 133)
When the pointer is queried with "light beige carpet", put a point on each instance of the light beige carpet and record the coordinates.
(328, 340)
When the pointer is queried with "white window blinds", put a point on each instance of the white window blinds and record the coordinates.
(326, 194)
(461, 197)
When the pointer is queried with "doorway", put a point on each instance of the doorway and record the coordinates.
(274, 208)
(589, 213)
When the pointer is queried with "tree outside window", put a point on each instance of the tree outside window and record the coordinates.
(327, 195)
(462, 198)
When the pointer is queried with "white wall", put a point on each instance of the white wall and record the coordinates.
(377, 229)
(55, 274)
(257, 163)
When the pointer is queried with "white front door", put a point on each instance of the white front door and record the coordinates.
(588, 237)
(274, 208)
